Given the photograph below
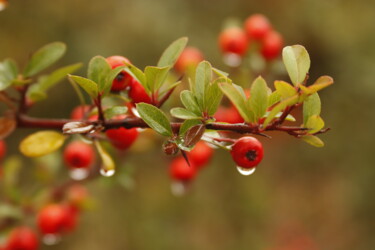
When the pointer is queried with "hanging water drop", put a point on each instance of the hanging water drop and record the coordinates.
(51, 239)
(178, 188)
(79, 174)
(245, 171)
(107, 173)
(232, 59)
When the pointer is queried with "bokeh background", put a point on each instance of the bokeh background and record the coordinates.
(320, 197)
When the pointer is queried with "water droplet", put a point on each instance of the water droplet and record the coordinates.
(178, 188)
(232, 59)
(107, 173)
(140, 130)
(78, 174)
(51, 239)
(245, 171)
(135, 112)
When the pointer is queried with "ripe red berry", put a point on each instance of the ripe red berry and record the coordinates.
(122, 138)
(79, 155)
(190, 57)
(201, 154)
(181, 171)
(272, 45)
(233, 40)
(138, 93)
(257, 26)
(247, 152)
(22, 238)
(79, 112)
(3, 149)
(123, 79)
(54, 219)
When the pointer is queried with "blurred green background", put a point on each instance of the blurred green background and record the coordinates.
(323, 197)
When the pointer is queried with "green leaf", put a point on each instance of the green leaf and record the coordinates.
(311, 106)
(280, 107)
(193, 135)
(155, 118)
(313, 140)
(297, 62)
(284, 89)
(321, 83)
(137, 74)
(156, 77)
(315, 123)
(41, 143)
(273, 98)
(203, 76)
(237, 97)
(44, 57)
(38, 91)
(214, 95)
(88, 85)
(172, 52)
(220, 73)
(114, 111)
(258, 100)
(8, 72)
(98, 71)
(189, 101)
(187, 124)
(184, 114)
(107, 161)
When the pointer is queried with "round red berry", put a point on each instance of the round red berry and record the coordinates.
(122, 138)
(272, 45)
(190, 57)
(201, 154)
(247, 152)
(52, 219)
(79, 155)
(22, 238)
(138, 93)
(257, 26)
(123, 79)
(79, 112)
(181, 171)
(3, 149)
(233, 40)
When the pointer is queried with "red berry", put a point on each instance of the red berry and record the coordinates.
(180, 170)
(54, 219)
(79, 112)
(233, 40)
(272, 45)
(123, 79)
(79, 155)
(22, 238)
(190, 57)
(257, 26)
(3, 149)
(138, 93)
(201, 154)
(247, 152)
(122, 138)
(229, 115)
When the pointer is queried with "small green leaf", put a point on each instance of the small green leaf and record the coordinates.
(190, 102)
(313, 140)
(114, 111)
(321, 83)
(38, 91)
(44, 58)
(203, 77)
(258, 100)
(8, 72)
(233, 92)
(214, 95)
(311, 106)
(220, 73)
(172, 52)
(98, 71)
(155, 118)
(107, 161)
(273, 98)
(297, 62)
(88, 85)
(136, 73)
(41, 143)
(280, 107)
(315, 123)
(187, 124)
(184, 114)
(284, 89)
(156, 77)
